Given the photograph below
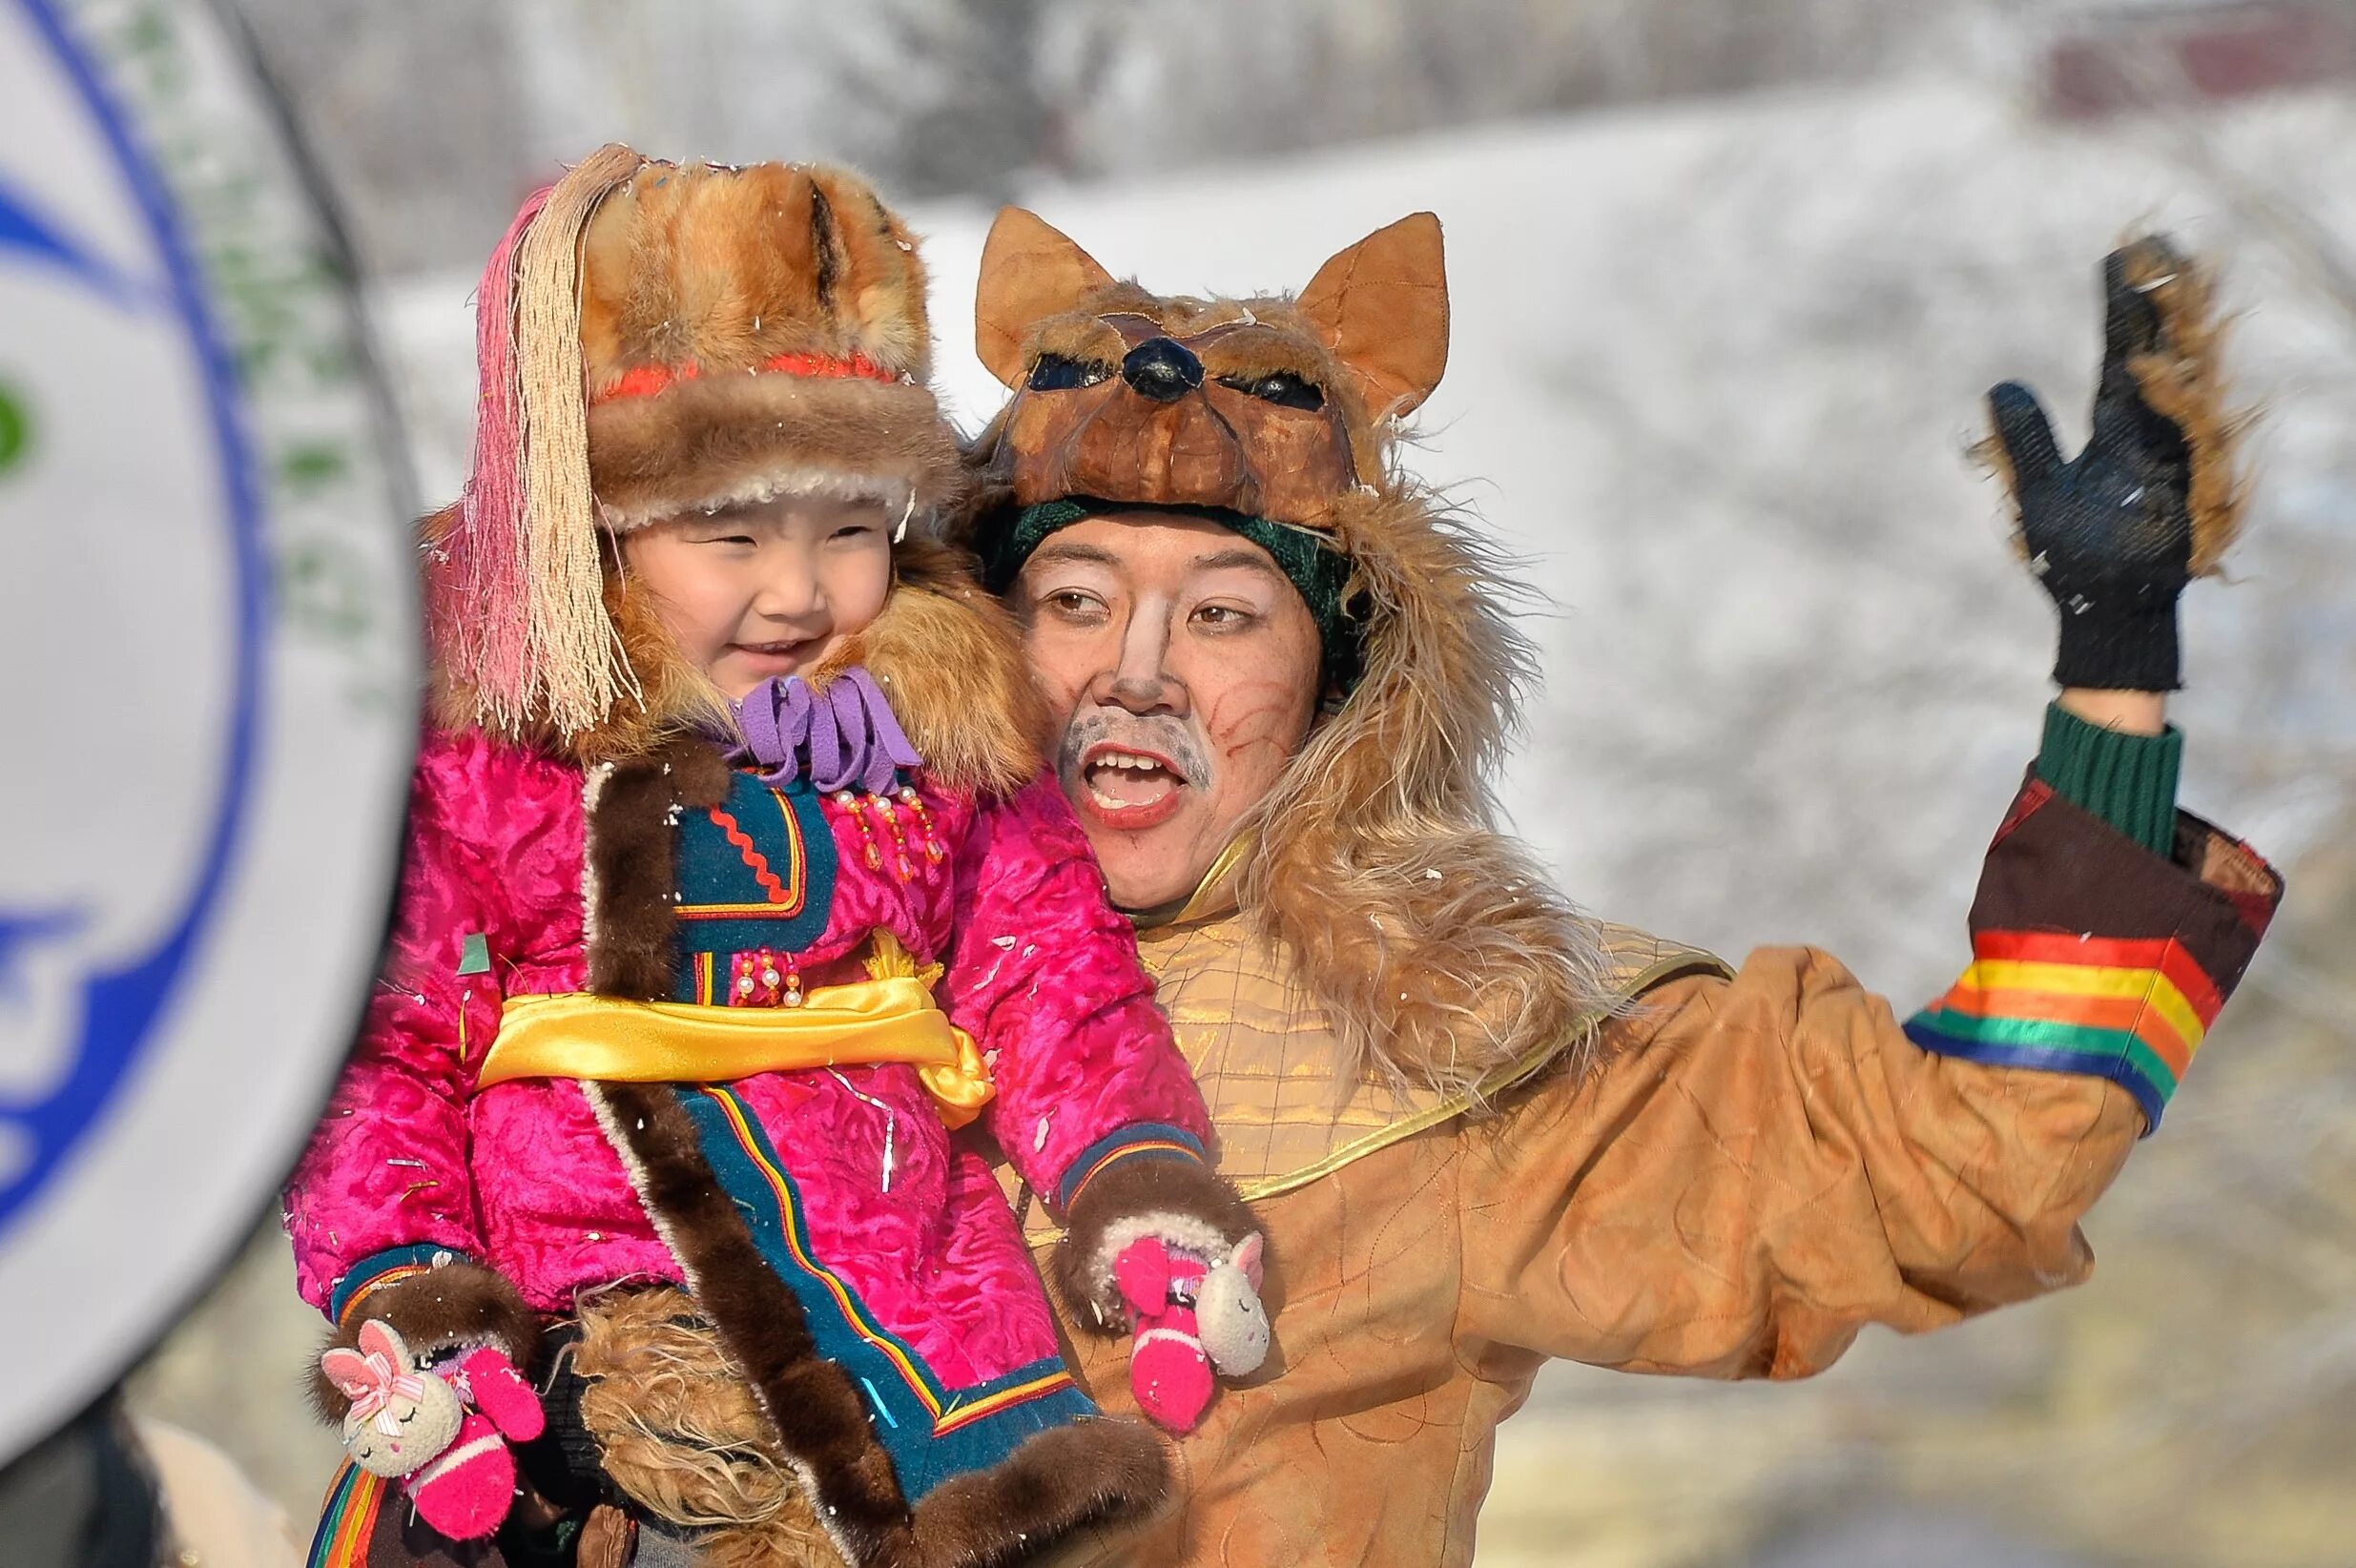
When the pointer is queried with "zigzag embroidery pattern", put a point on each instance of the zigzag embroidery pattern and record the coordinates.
(753, 855)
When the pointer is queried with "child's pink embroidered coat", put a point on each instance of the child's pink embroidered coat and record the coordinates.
(651, 1019)
(413, 1157)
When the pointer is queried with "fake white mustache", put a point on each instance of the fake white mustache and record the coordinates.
(1163, 735)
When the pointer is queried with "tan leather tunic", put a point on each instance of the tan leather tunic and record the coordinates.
(1764, 1164)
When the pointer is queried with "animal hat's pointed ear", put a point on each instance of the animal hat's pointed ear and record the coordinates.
(1029, 272)
(1382, 307)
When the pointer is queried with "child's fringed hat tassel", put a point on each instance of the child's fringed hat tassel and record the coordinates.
(516, 587)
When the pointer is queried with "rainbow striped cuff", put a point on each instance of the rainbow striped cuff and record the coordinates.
(1137, 1141)
(2133, 1011)
(348, 1521)
(380, 1268)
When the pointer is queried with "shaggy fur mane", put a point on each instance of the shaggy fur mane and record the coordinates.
(1433, 940)
(948, 657)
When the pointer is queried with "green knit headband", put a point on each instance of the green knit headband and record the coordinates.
(1318, 571)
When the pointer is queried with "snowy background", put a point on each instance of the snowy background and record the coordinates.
(1728, 280)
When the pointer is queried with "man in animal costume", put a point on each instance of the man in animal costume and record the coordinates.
(690, 982)
(1478, 1128)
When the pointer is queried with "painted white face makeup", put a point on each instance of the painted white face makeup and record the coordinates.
(1183, 667)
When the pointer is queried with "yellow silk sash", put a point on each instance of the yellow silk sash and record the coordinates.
(578, 1035)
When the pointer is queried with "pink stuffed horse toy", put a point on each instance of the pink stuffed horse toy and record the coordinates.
(1191, 1318)
(413, 1426)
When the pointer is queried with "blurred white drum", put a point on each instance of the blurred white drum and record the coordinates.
(206, 635)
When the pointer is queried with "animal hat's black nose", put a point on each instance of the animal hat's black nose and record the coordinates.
(1163, 370)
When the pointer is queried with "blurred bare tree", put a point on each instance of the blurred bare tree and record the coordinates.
(433, 118)
(1182, 81)
(2191, 1405)
(412, 113)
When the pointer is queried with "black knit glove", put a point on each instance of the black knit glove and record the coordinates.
(2111, 534)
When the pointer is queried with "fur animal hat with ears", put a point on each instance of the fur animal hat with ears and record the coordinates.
(1432, 942)
(1267, 408)
(655, 338)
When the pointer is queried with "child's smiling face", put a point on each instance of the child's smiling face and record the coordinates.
(764, 590)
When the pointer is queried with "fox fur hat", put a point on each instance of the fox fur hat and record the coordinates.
(655, 338)
(1432, 940)
(753, 332)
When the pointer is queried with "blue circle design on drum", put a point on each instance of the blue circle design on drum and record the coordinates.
(120, 1005)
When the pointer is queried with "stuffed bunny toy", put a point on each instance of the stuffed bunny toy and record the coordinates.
(1191, 1318)
(413, 1425)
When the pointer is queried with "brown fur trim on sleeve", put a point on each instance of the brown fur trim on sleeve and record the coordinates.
(454, 1306)
(1181, 1200)
(1432, 943)
(1064, 1480)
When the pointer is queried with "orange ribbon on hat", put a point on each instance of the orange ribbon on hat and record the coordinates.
(645, 379)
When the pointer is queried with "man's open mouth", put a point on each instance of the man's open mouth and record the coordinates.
(1130, 787)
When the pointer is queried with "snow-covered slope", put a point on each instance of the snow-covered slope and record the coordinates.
(1714, 371)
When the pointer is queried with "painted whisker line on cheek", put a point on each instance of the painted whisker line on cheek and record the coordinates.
(1265, 720)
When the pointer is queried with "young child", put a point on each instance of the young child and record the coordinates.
(732, 887)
